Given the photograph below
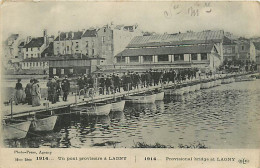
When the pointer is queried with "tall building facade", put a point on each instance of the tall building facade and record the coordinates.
(104, 42)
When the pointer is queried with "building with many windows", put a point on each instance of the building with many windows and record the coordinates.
(104, 42)
(202, 50)
(257, 54)
(68, 43)
(35, 46)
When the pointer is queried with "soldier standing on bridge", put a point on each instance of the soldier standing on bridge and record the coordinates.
(65, 85)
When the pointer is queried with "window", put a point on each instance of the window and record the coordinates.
(242, 48)
(38, 55)
(194, 57)
(229, 50)
(178, 57)
(31, 55)
(148, 58)
(26, 55)
(134, 59)
(68, 48)
(30, 64)
(86, 44)
(54, 71)
(104, 29)
(93, 51)
(87, 52)
(103, 39)
(204, 56)
(27, 64)
(27, 49)
(71, 70)
(62, 71)
(163, 58)
(120, 59)
(36, 63)
(39, 48)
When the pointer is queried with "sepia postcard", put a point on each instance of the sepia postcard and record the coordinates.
(130, 84)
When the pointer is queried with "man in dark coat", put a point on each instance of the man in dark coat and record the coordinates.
(108, 84)
(102, 84)
(28, 92)
(65, 85)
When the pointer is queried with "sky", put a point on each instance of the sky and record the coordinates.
(30, 18)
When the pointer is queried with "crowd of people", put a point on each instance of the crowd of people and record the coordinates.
(112, 83)
(88, 85)
(31, 95)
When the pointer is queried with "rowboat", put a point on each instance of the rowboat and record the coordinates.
(186, 89)
(197, 87)
(192, 88)
(174, 92)
(211, 83)
(245, 78)
(141, 98)
(118, 106)
(16, 130)
(204, 85)
(45, 124)
(159, 96)
(97, 109)
(225, 81)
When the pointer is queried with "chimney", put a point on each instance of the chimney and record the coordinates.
(59, 35)
(29, 38)
(45, 37)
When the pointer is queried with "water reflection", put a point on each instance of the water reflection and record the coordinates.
(222, 117)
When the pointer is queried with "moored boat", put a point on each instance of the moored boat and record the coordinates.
(197, 87)
(186, 89)
(204, 85)
(159, 96)
(118, 106)
(97, 109)
(16, 130)
(193, 88)
(141, 98)
(244, 78)
(44, 124)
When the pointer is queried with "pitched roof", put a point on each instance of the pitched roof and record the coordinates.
(257, 45)
(69, 36)
(35, 42)
(21, 44)
(90, 33)
(167, 50)
(57, 59)
(205, 36)
(49, 50)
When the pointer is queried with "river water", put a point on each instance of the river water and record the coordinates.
(226, 116)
